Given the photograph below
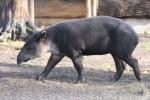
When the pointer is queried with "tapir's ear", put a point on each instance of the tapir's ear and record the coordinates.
(43, 35)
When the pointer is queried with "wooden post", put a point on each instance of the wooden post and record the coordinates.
(31, 9)
(94, 7)
(91, 8)
(88, 8)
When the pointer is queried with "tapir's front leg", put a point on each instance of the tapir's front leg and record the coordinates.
(54, 59)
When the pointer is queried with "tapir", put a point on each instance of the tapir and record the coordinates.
(86, 36)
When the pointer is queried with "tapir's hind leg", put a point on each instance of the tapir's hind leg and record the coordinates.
(77, 61)
(119, 67)
(133, 62)
(79, 67)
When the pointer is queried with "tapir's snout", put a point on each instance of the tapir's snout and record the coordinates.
(19, 61)
(22, 58)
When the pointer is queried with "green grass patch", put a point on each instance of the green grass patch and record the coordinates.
(145, 45)
(85, 58)
(147, 32)
(108, 65)
(13, 43)
(29, 65)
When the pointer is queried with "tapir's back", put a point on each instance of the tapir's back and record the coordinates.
(87, 28)
(87, 25)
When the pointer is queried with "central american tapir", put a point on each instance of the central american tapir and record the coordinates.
(86, 36)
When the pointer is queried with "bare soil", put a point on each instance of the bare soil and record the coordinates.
(16, 82)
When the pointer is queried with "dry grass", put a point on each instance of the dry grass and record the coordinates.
(16, 82)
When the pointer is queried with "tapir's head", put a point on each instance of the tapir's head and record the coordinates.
(34, 48)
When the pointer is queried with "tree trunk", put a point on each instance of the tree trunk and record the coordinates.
(14, 20)
(31, 9)
(94, 7)
(91, 8)
(88, 8)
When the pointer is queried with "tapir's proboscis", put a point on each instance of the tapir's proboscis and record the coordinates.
(86, 36)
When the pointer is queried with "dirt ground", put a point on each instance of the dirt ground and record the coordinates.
(16, 83)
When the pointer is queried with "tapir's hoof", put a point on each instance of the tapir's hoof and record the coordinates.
(40, 78)
(112, 80)
(79, 81)
(116, 78)
(139, 78)
(138, 75)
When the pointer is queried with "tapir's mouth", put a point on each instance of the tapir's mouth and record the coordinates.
(26, 60)
(20, 61)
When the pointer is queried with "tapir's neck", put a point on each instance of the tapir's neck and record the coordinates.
(50, 32)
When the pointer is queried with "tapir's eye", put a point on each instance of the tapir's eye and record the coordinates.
(29, 48)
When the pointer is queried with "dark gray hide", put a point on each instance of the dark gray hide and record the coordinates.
(87, 36)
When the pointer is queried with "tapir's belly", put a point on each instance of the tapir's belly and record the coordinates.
(96, 50)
